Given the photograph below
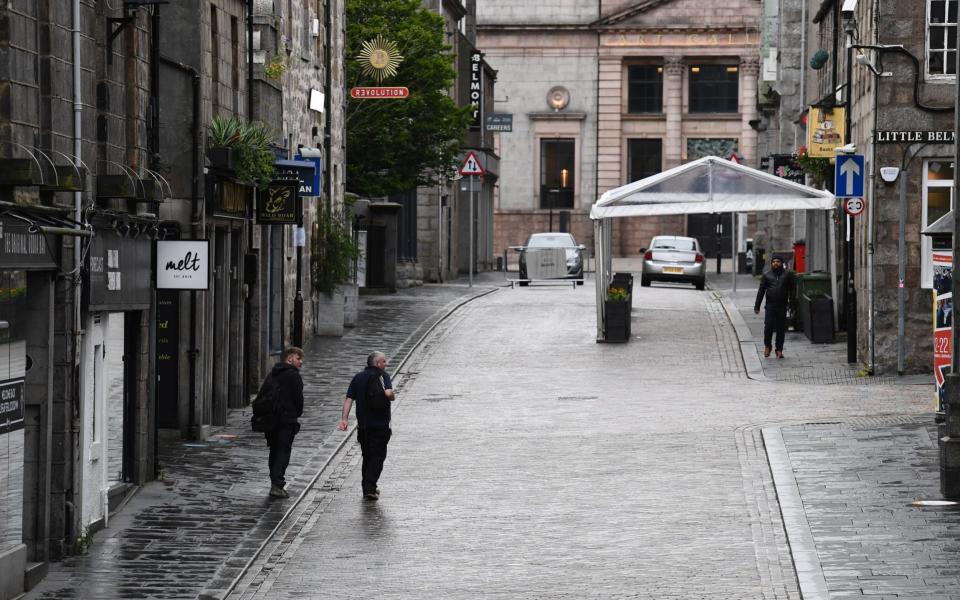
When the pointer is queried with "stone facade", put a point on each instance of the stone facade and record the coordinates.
(588, 49)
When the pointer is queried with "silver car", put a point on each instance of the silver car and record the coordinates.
(673, 258)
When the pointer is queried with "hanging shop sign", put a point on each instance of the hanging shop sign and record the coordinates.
(825, 131)
(183, 264)
(279, 203)
(228, 199)
(383, 93)
(301, 170)
(118, 269)
(502, 122)
(943, 136)
(476, 89)
(786, 167)
(379, 58)
(11, 406)
(22, 249)
(942, 324)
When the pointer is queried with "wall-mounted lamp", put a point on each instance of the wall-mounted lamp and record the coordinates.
(564, 178)
(863, 60)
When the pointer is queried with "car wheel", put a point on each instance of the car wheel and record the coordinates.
(580, 278)
(644, 281)
(700, 283)
(523, 283)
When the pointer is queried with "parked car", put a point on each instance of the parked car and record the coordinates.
(673, 258)
(574, 253)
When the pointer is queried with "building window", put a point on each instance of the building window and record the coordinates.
(644, 158)
(714, 88)
(644, 89)
(937, 201)
(557, 157)
(941, 37)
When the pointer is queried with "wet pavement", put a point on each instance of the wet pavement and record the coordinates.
(528, 461)
(195, 528)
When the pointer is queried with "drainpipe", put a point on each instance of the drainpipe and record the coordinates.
(77, 217)
(197, 233)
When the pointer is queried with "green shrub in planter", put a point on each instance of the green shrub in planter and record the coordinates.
(332, 253)
(244, 147)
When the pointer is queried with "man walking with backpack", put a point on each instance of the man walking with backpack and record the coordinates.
(283, 389)
(372, 390)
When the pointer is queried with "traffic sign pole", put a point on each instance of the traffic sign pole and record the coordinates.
(473, 197)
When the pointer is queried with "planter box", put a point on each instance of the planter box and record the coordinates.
(618, 319)
(69, 179)
(351, 304)
(20, 171)
(221, 158)
(329, 313)
(116, 186)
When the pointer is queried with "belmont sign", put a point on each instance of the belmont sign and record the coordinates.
(926, 137)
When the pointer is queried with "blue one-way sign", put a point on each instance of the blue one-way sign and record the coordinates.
(848, 181)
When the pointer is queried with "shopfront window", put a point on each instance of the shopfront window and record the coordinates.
(714, 88)
(557, 162)
(644, 89)
(644, 158)
(937, 201)
(941, 38)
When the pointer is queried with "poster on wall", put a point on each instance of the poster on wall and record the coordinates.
(183, 264)
(942, 322)
(11, 406)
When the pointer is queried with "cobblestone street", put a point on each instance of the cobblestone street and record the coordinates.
(529, 461)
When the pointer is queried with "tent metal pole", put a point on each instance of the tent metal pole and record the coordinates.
(733, 254)
(599, 274)
(832, 243)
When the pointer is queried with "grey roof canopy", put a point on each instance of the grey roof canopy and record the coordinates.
(707, 185)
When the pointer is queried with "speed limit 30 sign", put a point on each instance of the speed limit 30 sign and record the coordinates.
(854, 206)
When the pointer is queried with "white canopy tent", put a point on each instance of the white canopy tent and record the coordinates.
(707, 185)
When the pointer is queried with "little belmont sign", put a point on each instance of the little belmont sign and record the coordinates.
(943, 136)
(183, 264)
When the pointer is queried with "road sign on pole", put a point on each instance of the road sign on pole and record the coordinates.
(848, 178)
(471, 165)
(854, 206)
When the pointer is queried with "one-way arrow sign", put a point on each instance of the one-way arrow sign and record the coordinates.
(848, 180)
(471, 166)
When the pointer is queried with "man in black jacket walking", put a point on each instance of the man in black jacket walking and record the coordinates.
(373, 392)
(286, 376)
(777, 284)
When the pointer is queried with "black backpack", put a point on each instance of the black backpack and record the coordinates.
(266, 406)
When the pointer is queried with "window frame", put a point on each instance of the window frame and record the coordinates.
(927, 52)
(926, 242)
(629, 95)
(630, 178)
(690, 87)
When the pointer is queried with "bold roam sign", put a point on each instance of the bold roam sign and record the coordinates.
(279, 203)
(476, 88)
(360, 93)
(471, 165)
(183, 264)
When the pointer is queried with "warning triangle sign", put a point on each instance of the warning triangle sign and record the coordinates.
(471, 166)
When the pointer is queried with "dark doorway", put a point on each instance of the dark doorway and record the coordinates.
(376, 251)
(131, 391)
(168, 359)
(704, 228)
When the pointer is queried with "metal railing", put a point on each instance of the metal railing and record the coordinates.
(565, 279)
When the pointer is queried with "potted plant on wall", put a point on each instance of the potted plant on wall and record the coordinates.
(241, 148)
(332, 254)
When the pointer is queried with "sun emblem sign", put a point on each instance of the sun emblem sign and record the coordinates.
(380, 58)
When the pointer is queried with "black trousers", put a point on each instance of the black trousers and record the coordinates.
(373, 445)
(280, 441)
(774, 321)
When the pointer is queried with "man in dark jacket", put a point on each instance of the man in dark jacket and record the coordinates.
(372, 390)
(285, 375)
(777, 284)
